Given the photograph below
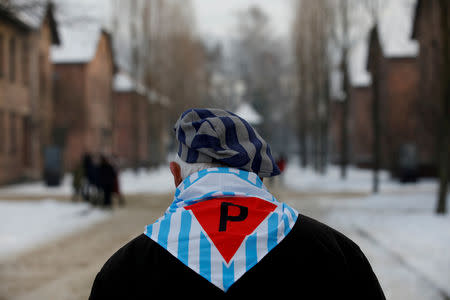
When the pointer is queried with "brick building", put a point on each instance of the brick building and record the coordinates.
(394, 76)
(131, 109)
(361, 127)
(396, 82)
(83, 74)
(25, 90)
(427, 32)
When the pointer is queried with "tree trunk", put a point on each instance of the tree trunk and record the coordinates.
(326, 126)
(345, 116)
(445, 117)
(376, 123)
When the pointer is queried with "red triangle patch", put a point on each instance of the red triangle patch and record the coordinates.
(227, 221)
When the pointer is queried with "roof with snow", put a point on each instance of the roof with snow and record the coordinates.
(31, 16)
(124, 83)
(247, 112)
(79, 44)
(395, 27)
(81, 27)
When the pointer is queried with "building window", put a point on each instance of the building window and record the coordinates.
(42, 77)
(2, 132)
(2, 56)
(12, 134)
(25, 62)
(12, 59)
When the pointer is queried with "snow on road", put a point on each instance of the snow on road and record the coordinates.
(399, 222)
(26, 224)
(155, 181)
(407, 244)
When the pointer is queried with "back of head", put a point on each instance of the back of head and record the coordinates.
(217, 138)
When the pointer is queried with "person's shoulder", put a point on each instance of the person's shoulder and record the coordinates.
(118, 276)
(126, 259)
(318, 234)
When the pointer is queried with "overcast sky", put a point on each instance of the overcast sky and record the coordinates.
(218, 18)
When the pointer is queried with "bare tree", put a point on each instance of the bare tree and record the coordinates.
(444, 128)
(313, 38)
(374, 8)
(258, 57)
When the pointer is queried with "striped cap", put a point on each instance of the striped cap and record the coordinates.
(219, 136)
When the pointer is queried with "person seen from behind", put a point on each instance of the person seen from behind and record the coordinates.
(107, 180)
(226, 236)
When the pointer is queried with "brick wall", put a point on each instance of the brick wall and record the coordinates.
(83, 105)
(361, 125)
(14, 102)
(131, 128)
(124, 129)
(69, 111)
(427, 33)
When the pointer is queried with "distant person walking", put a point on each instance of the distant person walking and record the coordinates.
(116, 190)
(78, 181)
(88, 167)
(107, 179)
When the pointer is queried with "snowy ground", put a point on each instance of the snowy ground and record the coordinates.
(406, 243)
(156, 181)
(26, 224)
(398, 224)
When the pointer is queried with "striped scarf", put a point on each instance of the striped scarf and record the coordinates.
(222, 222)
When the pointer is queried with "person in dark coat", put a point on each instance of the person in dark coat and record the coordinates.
(106, 179)
(88, 174)
(77, 181)
(225, 236)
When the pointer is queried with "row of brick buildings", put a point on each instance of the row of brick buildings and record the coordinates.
(408, 87)
(62, 87)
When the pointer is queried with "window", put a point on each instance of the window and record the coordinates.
(2, 55)
(12, 134)
(2, 132)
(25, 62)
(12, 59)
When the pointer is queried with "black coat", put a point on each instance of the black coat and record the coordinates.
(314, 261)
(106, 176)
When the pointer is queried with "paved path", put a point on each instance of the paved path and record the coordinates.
(65, 269)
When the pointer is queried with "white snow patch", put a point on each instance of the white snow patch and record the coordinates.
(358, 180)
(157, 181)
(26, 224)
(247, 112)
(124, 83)
(406, 225)
(78, 44)
(403, 231)
(153, 181)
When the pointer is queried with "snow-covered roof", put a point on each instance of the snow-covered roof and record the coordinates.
(81, 23)
(359, 75)
(395, 27)
(248, 113)
(123, 83)
(32, 15)
(78, 44)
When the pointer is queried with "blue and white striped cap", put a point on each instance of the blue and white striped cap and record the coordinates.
(219, 136)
